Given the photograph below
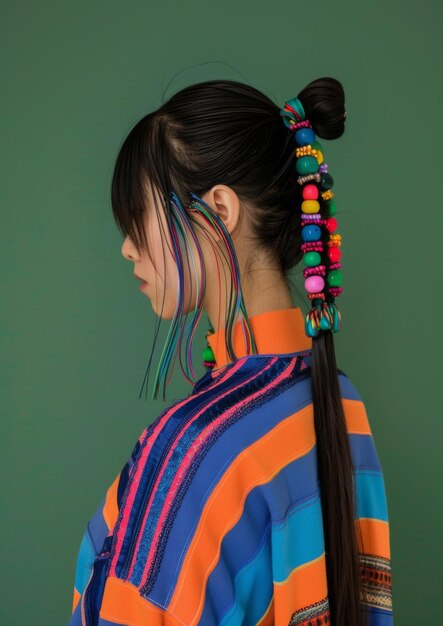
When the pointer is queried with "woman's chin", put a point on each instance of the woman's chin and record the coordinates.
(166, 314)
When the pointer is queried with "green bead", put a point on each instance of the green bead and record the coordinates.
(326, 181)
(306, 165)
(208, 354)
(332, 207)
(335, 278)
(312, 259)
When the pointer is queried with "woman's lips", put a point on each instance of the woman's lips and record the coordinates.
(143, 283)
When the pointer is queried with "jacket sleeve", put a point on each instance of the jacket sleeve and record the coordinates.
(372, 522)
(99, 526)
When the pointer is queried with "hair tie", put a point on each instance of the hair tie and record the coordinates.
(324, 314)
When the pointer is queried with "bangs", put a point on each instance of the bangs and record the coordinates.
(129, 185)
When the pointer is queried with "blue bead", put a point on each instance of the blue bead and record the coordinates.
(304, 136)
(311, 232)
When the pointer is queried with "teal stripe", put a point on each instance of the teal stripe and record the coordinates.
(371, 495)
(298, 539)
(85, 560)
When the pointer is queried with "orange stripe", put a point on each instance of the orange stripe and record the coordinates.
(375, 536)
(110, 508)
(305, 585)
(123, 604)
(75, 599)
(290, 439)
(356, 417)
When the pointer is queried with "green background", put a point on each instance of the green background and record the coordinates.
(76, 332)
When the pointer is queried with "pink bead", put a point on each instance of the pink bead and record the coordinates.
(314, 284)
(310, 192)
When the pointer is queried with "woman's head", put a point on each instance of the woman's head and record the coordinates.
(225, 142)
(155, 262)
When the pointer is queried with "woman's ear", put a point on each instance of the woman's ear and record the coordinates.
(226, 204)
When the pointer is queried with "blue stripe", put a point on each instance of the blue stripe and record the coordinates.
(364, 452)
(98, 527)
(379, 617)
(348, 390)
(76, 617)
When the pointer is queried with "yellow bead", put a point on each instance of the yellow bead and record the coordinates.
(310, 206)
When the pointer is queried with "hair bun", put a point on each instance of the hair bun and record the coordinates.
(324, 102)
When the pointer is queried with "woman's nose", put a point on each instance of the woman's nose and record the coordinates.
(128, 250)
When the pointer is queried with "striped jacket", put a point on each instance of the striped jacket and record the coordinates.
(216, 516)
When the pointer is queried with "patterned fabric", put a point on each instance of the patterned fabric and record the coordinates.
(216, 518)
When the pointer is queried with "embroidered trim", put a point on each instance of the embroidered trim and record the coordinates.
(376, 581)
(376, 593)
(317, 613)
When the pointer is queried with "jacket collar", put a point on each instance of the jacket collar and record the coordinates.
(276, 332)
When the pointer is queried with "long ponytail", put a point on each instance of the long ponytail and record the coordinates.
(336, 487)
(323, 103)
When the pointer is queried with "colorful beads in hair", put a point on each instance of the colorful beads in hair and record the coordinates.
(317, 184)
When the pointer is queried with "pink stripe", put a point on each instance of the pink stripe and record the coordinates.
(149, 442)
(191, 454)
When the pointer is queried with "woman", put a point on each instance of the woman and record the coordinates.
(259, 498)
